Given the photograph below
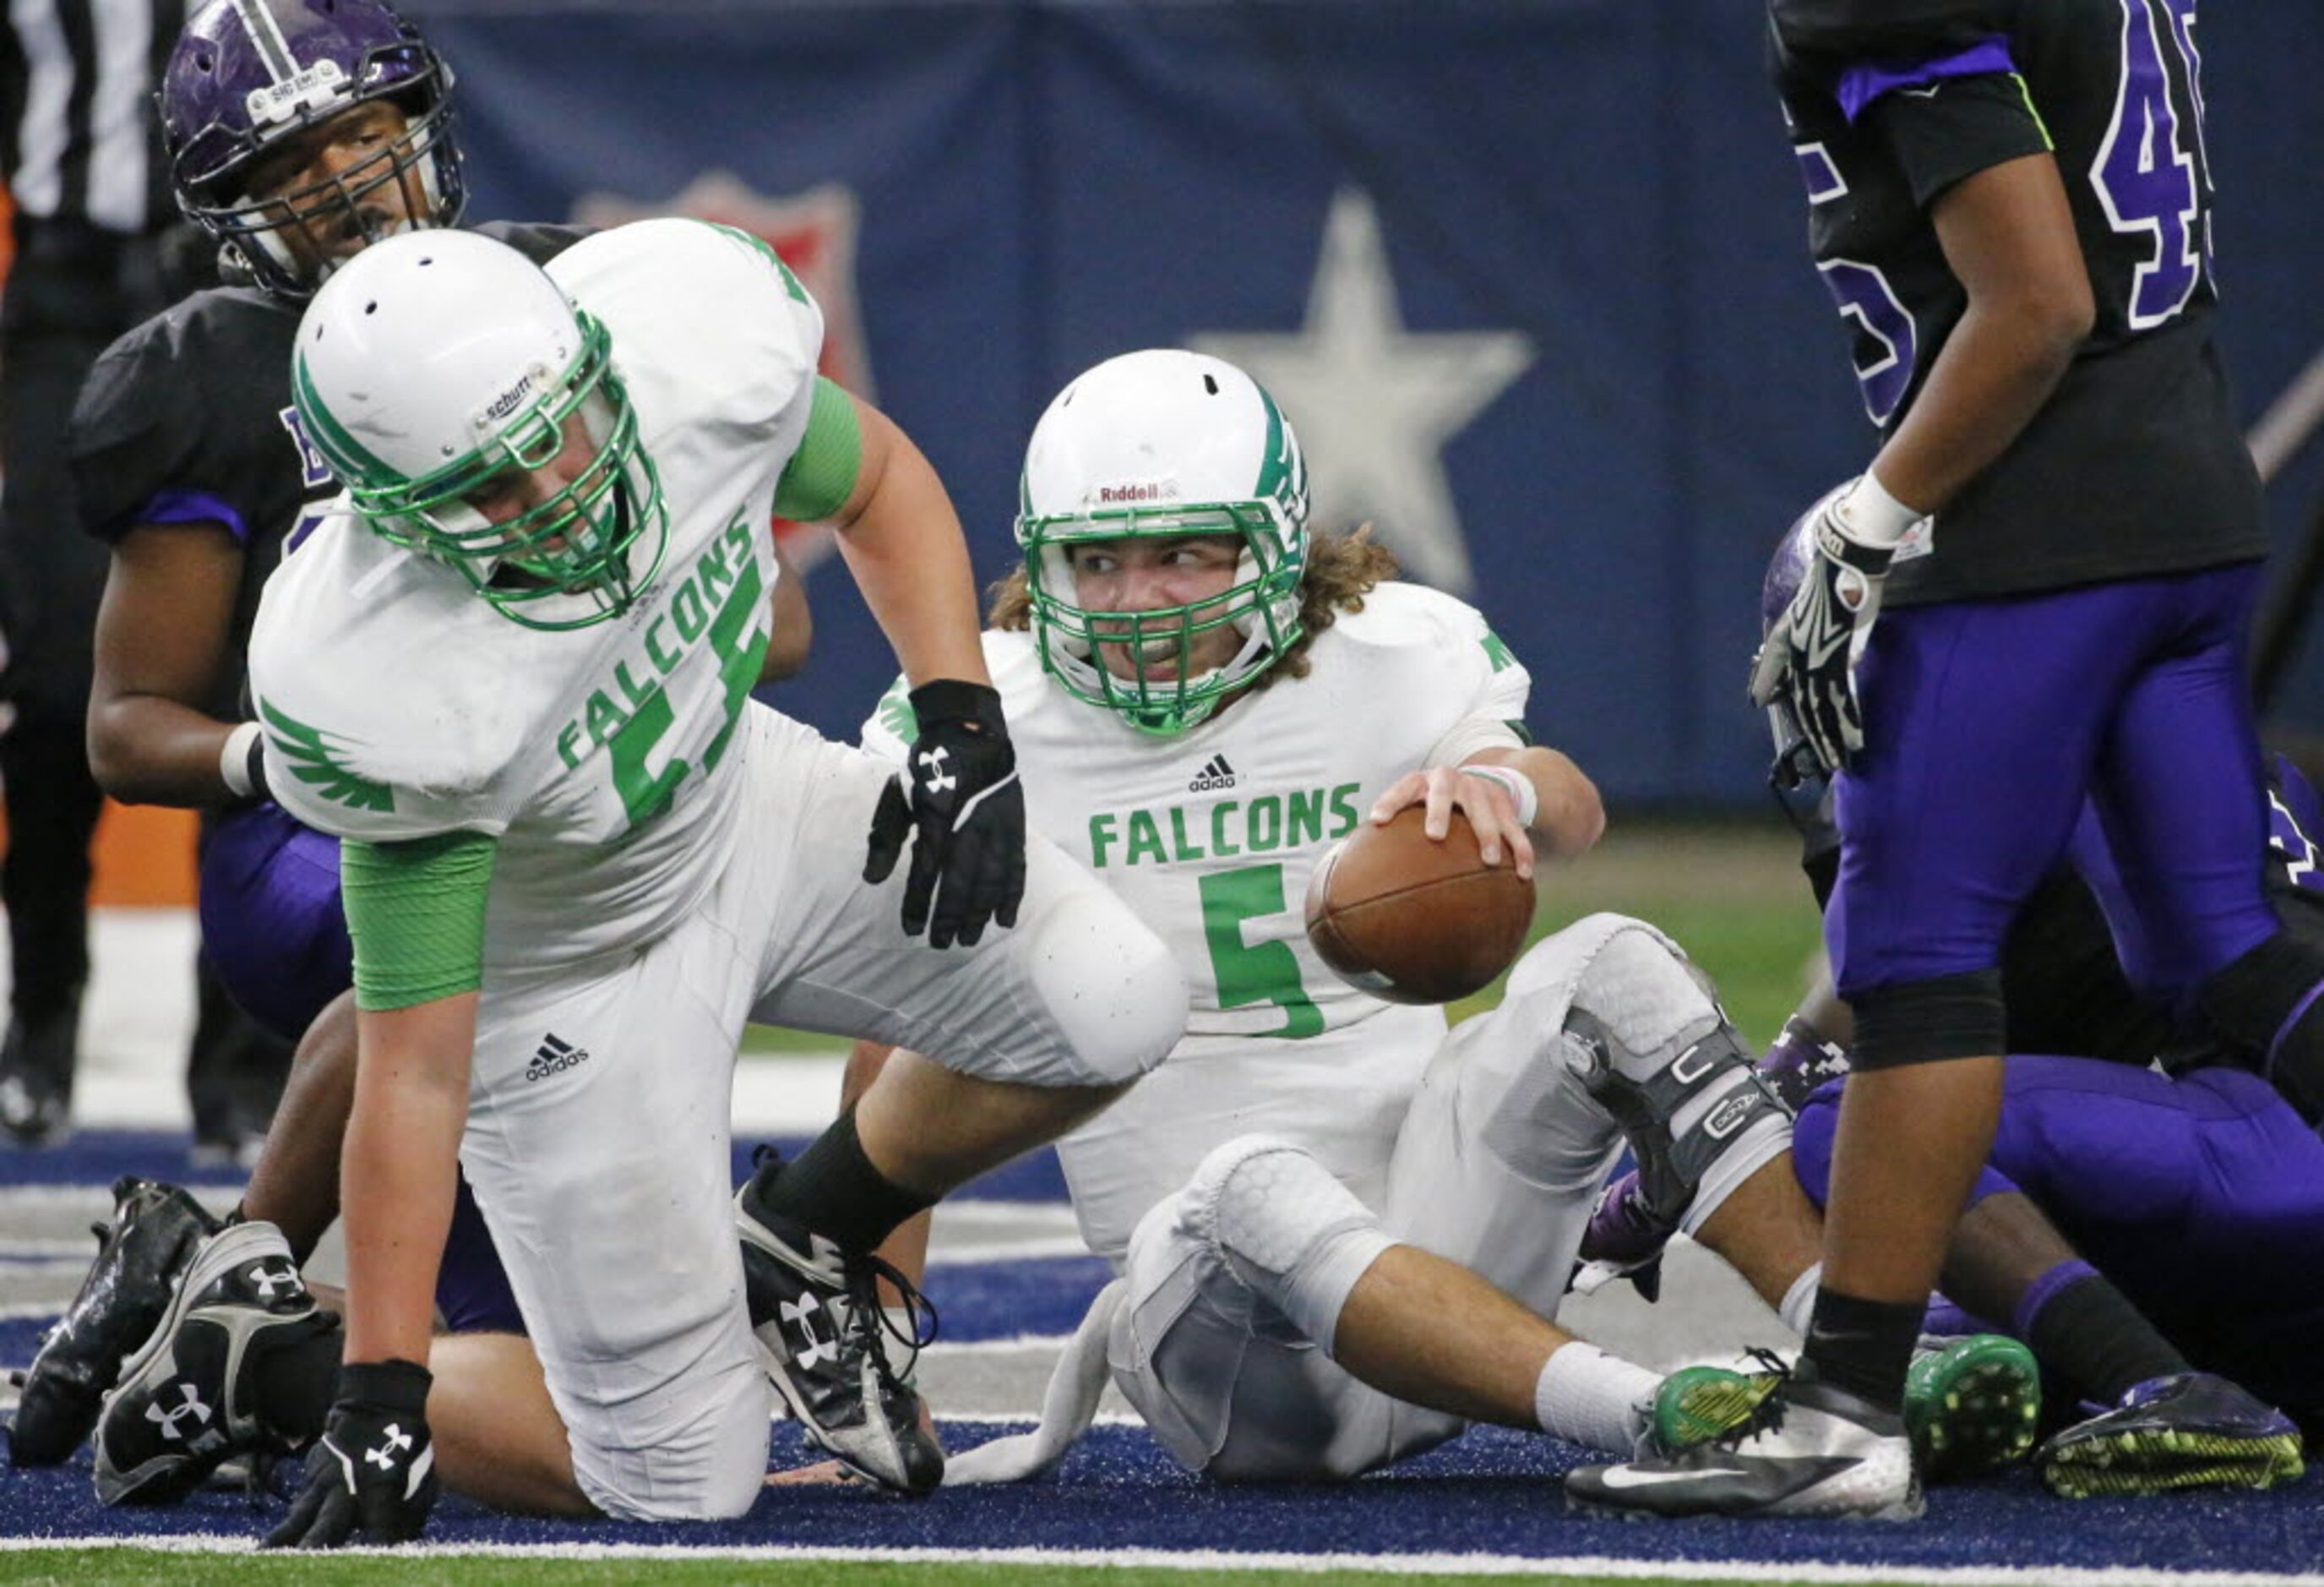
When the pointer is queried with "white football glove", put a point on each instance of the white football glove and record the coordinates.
(1808, 657)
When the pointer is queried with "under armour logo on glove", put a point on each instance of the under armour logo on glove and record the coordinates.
(1807, 662)
(960, 803)
(932, 776)
(396, 1441)
(386, 1495)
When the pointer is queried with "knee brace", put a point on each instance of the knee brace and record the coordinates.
(1657, 1052)
(1285, 1229)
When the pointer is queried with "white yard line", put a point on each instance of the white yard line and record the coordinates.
(1466, 1565)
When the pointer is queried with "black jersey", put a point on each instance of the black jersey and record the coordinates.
(188, 420)
(2136, 464)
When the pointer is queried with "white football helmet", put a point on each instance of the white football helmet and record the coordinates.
(431, 363)
(1164, 443)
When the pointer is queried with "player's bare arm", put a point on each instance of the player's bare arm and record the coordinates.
(1565, 819)
(790, 623)
(397, 1173)
(903, 544)
(163, 636)
(2008, 234)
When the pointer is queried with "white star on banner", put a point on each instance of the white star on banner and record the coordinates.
(1373, 403)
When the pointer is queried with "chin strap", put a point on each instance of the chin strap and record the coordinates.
(1068, 1406)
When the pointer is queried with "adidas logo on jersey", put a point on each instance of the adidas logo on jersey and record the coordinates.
(1216, 774)
(554, 1057)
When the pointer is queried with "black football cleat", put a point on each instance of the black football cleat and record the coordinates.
(154, 1231)
(2184, 1430)
(1808, 1449)
(186, 1400)
(816, 1311)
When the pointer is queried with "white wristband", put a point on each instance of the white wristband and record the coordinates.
(1520, 786)
(1871, 516)
(234, 760)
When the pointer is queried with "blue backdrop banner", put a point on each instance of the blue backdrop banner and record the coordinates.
(1529, 276)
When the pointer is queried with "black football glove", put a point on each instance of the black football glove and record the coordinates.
(374, 1470)
(959, 799)
(1808, 657)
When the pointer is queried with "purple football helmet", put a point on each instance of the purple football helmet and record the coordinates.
(247, 75)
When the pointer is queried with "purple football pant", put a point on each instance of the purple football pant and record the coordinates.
(2202, 1198)
(273, 926)
(1988, 725)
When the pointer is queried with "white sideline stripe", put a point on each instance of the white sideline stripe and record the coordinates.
(1465, 1564)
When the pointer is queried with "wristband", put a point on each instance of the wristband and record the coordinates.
(393, 1385)
(1520, 786)
(1868, 515)
(241, 762)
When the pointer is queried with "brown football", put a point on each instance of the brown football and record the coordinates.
(1413, 921)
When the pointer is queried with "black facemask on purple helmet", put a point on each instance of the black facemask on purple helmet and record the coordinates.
(247, 74)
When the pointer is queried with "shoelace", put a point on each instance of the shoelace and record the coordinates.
(921, 1324)
(1767, 1416)
(916, 1332)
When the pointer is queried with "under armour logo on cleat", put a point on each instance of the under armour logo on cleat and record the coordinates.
(934, 777)
(801, 1315)
(393, 1443)
(271, 1285)
(169, 1419)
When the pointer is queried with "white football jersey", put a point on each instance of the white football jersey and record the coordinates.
(1210, 835)
(398, 704)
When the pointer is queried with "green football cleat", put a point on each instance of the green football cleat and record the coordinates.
(1696, 1404)
(1972, 1407)
(2187, 1430)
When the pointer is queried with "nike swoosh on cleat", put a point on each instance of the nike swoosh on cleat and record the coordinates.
(1621, 1477)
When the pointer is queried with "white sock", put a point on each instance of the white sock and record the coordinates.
(1799, 1300)
(1586, 1396)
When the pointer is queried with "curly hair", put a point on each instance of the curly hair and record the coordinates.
(1341, 569)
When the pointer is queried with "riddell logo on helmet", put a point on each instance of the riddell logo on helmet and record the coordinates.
(1117, 495)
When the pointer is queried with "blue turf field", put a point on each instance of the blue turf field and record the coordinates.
(1490, 1493)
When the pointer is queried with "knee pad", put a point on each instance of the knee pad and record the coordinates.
(1277, 1221)
(1656, 1051)
(1114, 987)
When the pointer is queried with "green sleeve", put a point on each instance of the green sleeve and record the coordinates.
(821, 474)
(416, 910)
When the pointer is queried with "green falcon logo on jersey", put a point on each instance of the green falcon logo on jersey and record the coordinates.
(312, 762)
(1177, 834)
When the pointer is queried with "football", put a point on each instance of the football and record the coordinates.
(1413, 921)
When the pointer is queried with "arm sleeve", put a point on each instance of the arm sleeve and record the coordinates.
(416, 911)
(821, 474)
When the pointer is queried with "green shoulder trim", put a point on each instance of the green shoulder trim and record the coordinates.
(759, 245)
(309, 756)
(416, 911)
(821, 474)
(1500, 654)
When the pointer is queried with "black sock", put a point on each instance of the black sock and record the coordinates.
(831, 1189)
(1864, 1346)
(295, 1382)
(2090, 1331)
(2272, 1002)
